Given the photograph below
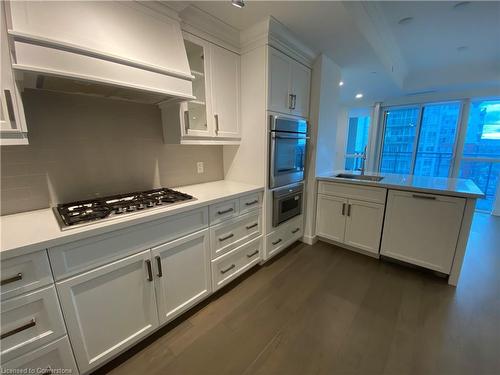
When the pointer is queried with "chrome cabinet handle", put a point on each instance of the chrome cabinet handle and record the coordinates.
(295, 230)
(10, 107)
(150, 270)
(158, 265)
(228, 269)
(12, 279)
(348, 210)
(277, 242)
(252, 226)
(253, 254)
(225, 211)
(216, 124)
(186, 121)
(252, 202)
(222, 239)
(429, 197)
(24, 327)
(294, 101)
(343, 209)
(290, 101)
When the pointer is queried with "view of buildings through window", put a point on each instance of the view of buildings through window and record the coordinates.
(481, 154)
(357, 139)
(421, 140)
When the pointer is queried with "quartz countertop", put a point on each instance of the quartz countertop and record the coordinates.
(30, 231)
(457, 187)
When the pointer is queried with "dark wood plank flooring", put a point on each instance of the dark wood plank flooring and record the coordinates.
(325, 310)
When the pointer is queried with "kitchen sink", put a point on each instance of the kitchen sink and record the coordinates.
(364, 177)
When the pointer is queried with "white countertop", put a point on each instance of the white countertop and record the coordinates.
(30, 231)
(457, 187)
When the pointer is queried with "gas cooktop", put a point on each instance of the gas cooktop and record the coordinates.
(76, 214)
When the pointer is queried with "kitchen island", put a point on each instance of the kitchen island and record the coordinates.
(418, 220)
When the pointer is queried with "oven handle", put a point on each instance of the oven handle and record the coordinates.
(289, 137)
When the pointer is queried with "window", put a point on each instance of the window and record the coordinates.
(357, 138)
(428, 143)
(481, 153)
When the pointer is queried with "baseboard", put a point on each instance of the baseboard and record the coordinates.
(351, 248)
(310, 240)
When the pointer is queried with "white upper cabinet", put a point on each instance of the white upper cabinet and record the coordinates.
(288, 85)
(13, 129)
(214, 116)
(225, 82)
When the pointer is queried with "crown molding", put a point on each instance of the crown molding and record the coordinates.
(272, 32)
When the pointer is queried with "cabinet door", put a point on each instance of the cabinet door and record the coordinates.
(364, 225)
(301, 86)
(109, 308)
(196, 115)
(422, 229)
(225, 80)
(330, 218)
(182, 269)
(279, 74)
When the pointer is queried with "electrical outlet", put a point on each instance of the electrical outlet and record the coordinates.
(200, 167)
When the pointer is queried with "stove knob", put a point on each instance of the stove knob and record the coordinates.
(119, 210)
(141, 206)
(131, 208)
(159, 202)
(150, 204)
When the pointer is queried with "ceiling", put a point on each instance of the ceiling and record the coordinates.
(443, 47)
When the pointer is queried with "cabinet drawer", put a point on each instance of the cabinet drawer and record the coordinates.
(364, 193)
(284, 235)
(25, 273)
(79, 256)
(55, 356)
(234, 232)
(250, 202)
(30, 321)
(234, 263)
(224, 210)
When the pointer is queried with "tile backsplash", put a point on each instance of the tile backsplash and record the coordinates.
(82, 147)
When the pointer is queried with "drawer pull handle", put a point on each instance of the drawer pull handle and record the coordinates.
(252, 202)
(253, 254)
(12, 279)
(225, 211)
(24, 327)
(429, 197)
(252, 226)
(222, 239)
(277, 242)
(228, 269)
(158, 265)
(343, 209)
(348, 210)
(295, 230)
(150, 271)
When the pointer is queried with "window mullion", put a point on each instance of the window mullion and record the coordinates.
(417, 139)
(462, 132)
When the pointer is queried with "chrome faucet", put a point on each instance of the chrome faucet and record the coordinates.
(363, 161)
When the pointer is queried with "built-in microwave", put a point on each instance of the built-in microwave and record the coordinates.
(287, 150)
(287, 203)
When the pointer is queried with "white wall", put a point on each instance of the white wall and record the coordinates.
(324, 112)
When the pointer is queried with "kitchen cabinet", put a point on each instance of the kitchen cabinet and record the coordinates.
(13, 130)
(183, 277)
(214, 116)
(288, 85)
(109, 308)
(351, 215)
(422, 229)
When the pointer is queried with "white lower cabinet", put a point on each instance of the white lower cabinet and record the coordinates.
(330, 218)
(54, 358)
(182, 270)
(364, 225)
(29, 321)
(422, 229)
(109, 308)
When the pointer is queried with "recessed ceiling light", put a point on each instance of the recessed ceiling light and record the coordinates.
(359, 96)
(238, 3)
(462, 48)
(341, 83)
(406, 20)
(461, 4)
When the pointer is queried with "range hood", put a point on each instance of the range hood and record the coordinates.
(124, 50)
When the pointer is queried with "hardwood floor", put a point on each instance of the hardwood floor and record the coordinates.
(324, 310)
